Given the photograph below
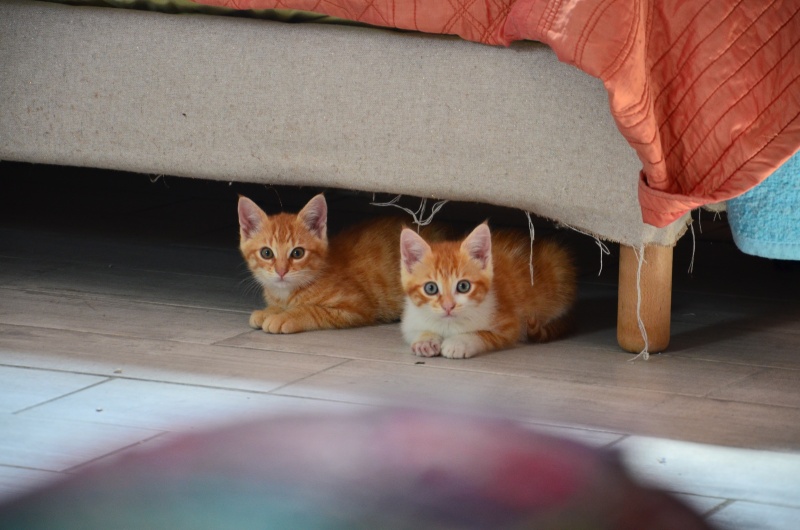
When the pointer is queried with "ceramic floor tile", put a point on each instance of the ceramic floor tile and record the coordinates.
(23, 387)
(170, 361)
(57, 444)
(735, 344)
(700, 504)
(521, 398)
(722, 422)
(771, 386)
(534, 399)
(174, 288)
(562, 360)
(588, 437)
(166, 406)
(118, 317)
(739, 474)
(382, 342)
(16, 480)
(749, 515)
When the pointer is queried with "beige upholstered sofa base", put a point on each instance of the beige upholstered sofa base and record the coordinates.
(318, 105)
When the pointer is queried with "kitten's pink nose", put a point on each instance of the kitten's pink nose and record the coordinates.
(448, 307)
(281, 272)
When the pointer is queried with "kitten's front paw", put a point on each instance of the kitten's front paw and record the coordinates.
(427, 348)
(460, 347)
(258, 316)
(427, 345)
(280, 323)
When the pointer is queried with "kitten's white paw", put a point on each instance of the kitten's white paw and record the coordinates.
(461, 346)
(427, 348)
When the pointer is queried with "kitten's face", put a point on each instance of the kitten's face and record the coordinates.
(448, 280)
(284, 251)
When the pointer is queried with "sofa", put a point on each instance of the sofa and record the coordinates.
(338, 106)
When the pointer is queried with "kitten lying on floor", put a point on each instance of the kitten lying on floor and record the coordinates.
(312, 283)
(476, 296)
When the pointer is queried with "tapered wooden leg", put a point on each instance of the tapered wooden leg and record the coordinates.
(656, 298)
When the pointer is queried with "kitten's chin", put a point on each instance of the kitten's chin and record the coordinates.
(282, 284)
(280, 287)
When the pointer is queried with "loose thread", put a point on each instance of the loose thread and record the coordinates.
(694, 246)
(416, 215)
(700, 219)
(278, 195)
(645, 353)
(602, 246)
(156, 178)
(533, 235)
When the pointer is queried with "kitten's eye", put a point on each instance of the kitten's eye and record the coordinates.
(431, 288)
(463, 286)
(267, 253)
(298, 253)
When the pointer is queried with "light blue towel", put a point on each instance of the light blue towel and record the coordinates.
(765, 221)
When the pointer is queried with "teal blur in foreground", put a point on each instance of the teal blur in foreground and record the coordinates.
(391, 469)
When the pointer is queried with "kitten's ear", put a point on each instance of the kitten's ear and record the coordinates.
(314, 216)
(412, 248)
(251, 217)
(478, 245)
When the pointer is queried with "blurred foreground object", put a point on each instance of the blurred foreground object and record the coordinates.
(388, 469)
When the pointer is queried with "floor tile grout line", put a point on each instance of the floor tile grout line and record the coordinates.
(406, 354)
(101, 297)
(97, 383)
(666, 394)
(76, 467)
(621, 439)
(275, 390)
(29, 468)
(716, 509)
(733, 500)
(730, 384)
(179, 383)
(535, 424)
(218, 343)
(729, 362)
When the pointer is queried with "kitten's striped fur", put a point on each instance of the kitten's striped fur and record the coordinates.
(351, 280)
(500, 306)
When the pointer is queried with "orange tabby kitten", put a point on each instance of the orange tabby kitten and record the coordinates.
(312, 283)
(476, 296)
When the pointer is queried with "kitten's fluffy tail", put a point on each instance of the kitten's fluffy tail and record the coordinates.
(551, 330)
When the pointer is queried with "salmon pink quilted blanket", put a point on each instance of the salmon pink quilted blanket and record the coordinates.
(706, 91)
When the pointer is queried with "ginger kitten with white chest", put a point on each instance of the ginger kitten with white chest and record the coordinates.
(469, 297)
(311, 282)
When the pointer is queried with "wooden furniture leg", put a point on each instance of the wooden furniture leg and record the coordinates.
(656, 298)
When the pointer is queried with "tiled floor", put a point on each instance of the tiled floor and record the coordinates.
(123, 319)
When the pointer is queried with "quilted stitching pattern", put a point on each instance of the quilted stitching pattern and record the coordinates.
(475, 20)
(708, 93)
